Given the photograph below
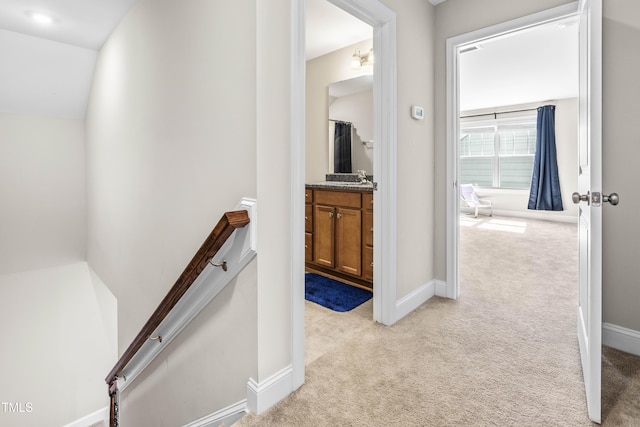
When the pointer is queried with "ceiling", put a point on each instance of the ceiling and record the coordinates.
(47, 69)
(534, 65)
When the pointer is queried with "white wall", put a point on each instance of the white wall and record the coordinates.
(321, 72)
(621, 228)
(273, 137)
(171, 145)
(42, 220)
(58, 328)
(57, 320)
(416, 161)
(198, 373)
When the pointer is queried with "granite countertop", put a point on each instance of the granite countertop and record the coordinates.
(341, 185)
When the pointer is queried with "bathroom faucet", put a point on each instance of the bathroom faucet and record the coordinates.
(362, 175)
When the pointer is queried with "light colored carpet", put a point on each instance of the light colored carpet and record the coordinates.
(504, 354)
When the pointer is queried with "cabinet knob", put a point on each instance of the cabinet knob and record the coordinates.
(330, 214)
(339, 215)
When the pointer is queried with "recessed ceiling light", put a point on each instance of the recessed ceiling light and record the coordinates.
(41, 18)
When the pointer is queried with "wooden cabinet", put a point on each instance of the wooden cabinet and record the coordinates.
(367, 236)
(308, 225)
(340, 243)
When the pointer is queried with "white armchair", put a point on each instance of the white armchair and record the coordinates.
(471, 199)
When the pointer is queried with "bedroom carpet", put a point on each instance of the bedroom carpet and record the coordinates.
(504, 354)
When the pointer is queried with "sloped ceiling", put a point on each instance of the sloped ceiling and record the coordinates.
(46, 68)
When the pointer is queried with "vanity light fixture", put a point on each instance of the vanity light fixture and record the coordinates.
(359, 60)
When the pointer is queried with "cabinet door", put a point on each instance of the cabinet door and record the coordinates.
(367, 228)
(308, 247)
(323, 235)
(367, 261)
(308, 218)
(349, 241)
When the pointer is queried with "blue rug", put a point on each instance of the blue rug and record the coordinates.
(332, 294)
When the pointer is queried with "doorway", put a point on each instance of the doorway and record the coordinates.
(383, 21)
(468, 42)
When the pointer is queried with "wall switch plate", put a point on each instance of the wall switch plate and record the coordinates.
(417, 112)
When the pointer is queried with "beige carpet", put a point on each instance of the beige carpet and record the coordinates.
(504, 354)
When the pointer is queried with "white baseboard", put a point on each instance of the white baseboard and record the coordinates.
(542, 215)
(620, 338)
(226, 416)
(262, 396)
(441, 288)
(416, 298)
(94, 418)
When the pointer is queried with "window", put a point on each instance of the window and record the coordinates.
(498, 153)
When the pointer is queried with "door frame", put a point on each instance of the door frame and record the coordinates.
(383, 21)
(453, 46)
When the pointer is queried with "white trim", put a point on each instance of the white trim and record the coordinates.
(620, 338)
(226, 416)
(238, 251)
(541, 215)
(383, 21)
(453, 114)
(297, 162)
(262, 396)
(441, 288)
(415, 299)
(92, 418)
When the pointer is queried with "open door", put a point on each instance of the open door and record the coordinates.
(590, 199)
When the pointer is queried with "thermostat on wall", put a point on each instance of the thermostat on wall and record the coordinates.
(417, 112)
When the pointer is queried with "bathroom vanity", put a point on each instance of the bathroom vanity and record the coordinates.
(339, 231)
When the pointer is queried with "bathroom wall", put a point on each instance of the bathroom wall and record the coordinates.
(321, 72)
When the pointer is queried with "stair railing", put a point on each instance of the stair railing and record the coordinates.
(203, 278)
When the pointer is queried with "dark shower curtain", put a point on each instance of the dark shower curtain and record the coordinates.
(342, 148)
(545, 182)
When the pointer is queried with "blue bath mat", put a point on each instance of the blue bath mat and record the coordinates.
(332, 294)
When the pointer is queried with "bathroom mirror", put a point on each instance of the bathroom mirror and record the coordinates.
(351, 103)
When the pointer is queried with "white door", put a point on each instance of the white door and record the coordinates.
(589, 198)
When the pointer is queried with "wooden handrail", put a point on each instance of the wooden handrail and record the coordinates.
(229, 222)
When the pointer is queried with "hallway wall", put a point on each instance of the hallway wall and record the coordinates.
(171, 146)
(43, 215)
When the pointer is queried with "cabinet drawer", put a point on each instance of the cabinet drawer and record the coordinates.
(308, 218)
(367, 201)
(308, 195)
(338, 198)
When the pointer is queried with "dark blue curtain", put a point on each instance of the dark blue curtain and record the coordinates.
(342, 148)
(545, 183)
